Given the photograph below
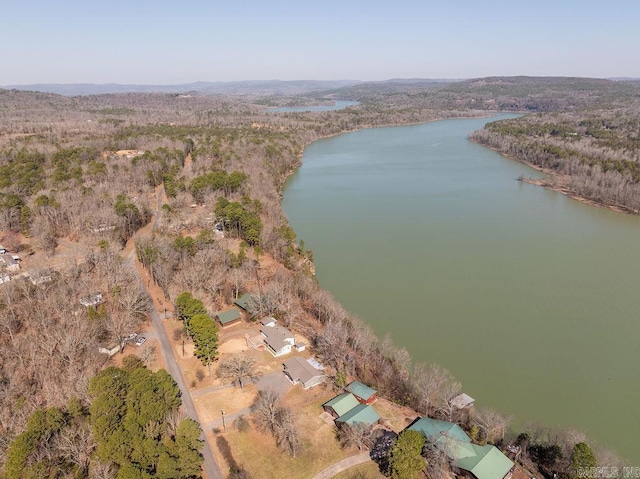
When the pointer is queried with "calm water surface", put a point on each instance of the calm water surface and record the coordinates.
(338, 105)
(531, 299)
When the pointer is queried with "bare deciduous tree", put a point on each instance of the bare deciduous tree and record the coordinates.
(237, 367)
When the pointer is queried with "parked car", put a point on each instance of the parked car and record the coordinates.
(140, 341)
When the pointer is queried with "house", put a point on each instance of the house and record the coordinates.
(92, 300)
(363, 393)
(40, 276)
(487, 463)
(268, 322)
(462, 401)
(110, 349)
(3, 250)
(243, 301)
(340, 405)
(228, 318)
(279, 340)
(9, 262)
(362, 413)
(479, 462)
(303, 371)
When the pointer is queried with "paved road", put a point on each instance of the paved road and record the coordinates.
(210, 465)
(343, 465)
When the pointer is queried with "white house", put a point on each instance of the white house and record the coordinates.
(9, 262)
(279, 340)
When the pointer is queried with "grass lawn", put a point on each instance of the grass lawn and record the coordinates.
(364, 471)
(231, 400)
(258, 455)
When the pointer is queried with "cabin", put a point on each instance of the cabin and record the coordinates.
(340, 405)
(243, 301)
(363, 393)
(229, 318)
(472, 460)
(279, 340)
(304, 372)
(362, 413)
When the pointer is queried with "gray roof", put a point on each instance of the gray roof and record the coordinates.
(301, 370)
(276, 337)
(8, 259)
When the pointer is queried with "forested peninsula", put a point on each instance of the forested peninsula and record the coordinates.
(124, 215)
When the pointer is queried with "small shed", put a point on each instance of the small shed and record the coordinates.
(341, 404)
(268, 322)
(462, 401)
(363, 393)
(110, 349)
(3, 250)
(242, 301)
(228, 318)
(362, 413)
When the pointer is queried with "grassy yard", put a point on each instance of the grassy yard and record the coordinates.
(258, 454)
(364, 471)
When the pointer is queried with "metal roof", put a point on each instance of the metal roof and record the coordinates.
(361, 390)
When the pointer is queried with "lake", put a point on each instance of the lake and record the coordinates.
(338, 105)
(528, 297)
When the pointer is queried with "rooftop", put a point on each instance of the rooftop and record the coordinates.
(342, 403)
(242, 301)
(301, 370)
(362, 413)
(488, 463)
(361, 390)
(277, 337)
(227, 317)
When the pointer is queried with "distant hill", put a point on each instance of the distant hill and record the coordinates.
(252, 87)
(262, 87)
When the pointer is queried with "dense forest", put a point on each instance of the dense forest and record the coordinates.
(80, 183)
(592, 153)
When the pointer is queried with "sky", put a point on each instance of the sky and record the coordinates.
(170, 42)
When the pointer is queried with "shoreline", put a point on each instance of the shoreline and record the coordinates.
(561, 188)
(562, 185)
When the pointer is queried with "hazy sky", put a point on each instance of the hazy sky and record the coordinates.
(162, 42)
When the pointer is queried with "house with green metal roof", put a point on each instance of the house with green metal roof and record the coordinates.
(227, 318)
(482, 462)
(438, 431)
(363, 393)
(362, 413)
(243, 301)
(341, 404)
(487, 463)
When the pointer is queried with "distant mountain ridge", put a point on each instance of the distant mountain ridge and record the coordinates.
(276, 87)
